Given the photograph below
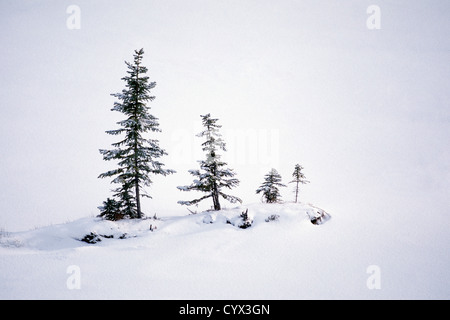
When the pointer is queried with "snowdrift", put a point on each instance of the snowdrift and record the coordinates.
(273, 251)
(95, 230)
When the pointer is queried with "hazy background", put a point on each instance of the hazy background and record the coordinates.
(366, 112)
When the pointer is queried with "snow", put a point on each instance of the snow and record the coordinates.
(207, 256)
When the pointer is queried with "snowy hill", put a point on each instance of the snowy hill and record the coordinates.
(95, 230)
(282, 255)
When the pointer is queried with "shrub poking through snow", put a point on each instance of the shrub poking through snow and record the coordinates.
(110, 210)
(272, 217)
(91, 238)
(246, 221)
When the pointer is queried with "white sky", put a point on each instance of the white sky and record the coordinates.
(366, 112)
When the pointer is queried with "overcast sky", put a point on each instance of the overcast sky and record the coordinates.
(365, 111)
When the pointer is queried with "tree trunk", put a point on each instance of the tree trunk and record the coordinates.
(296, 193)
(138, 199)
(136, 181)
(215, 191)
(216, 200)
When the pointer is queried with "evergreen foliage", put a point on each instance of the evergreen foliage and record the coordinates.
(299, 177)
(110, 210)
(213, 175)
(246, 220)
(269, 189)
(136, 155)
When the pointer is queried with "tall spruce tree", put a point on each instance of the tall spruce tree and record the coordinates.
(213, 176)
(269, 188)
(136, 155)
(299, 177)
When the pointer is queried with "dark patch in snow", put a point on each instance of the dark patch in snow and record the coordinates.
(91, 238)
(320, 216)
(272, 217)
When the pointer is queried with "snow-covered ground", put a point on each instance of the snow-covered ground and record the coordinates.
(207, 256)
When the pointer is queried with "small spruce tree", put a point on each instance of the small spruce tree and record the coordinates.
(246, 220)
(213, 176)
(269, 189)
(136, 155)
(299, 177)
(110, 210)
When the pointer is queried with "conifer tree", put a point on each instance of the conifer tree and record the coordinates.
(269, 188)
(110, 210)
(299, 177)
(136, 155)
(213, 176)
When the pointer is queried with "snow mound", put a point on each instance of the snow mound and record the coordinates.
(255, 251)
(89, 231)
